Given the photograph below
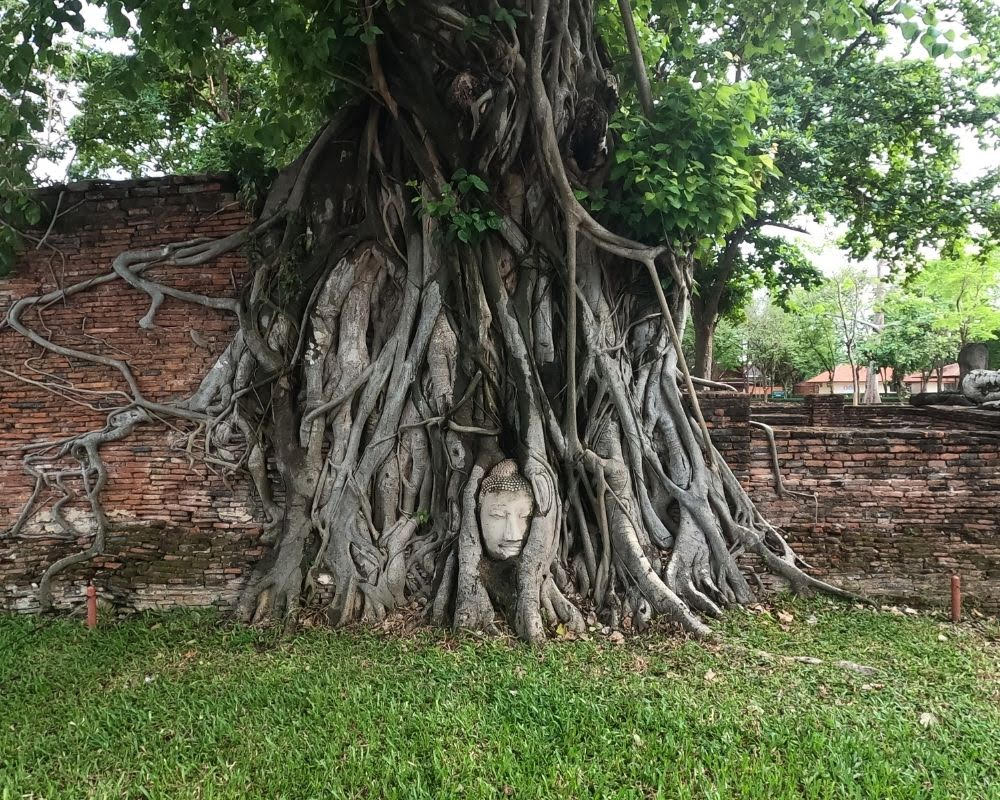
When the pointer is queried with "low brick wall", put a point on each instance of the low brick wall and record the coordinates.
(897, 513)
(899, 508)
(727, 416)
(180, 534)
(836, 412)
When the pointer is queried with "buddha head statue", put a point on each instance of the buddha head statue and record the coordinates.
(505, 507)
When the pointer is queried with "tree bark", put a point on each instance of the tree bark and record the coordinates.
(704, 318)
(391, 357)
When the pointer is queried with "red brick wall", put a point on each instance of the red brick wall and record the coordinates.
(727, 416)
(835, 411)
(181, 533)
(898, 511)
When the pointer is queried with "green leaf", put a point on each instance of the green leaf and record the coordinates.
(117, 20)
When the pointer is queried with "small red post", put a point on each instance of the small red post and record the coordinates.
(91, 606)
(956, 598)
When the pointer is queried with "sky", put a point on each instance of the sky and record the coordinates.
(820, 241)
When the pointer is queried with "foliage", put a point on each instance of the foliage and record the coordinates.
(843, 306)
(770, 344)
(818, 344)
(458, 205)
(965, 293)
(210, 86)
(687, 174)
(181, 706)
(147, 112)
(860, 136)
(912, 337)
(729, 345)
(930, 317)
(29, 53)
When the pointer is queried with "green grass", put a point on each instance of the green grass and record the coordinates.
(184, 705)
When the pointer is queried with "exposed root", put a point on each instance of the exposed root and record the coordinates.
(384, 366)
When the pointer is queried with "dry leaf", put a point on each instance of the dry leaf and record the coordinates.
(784, 616)
(710, 676)
(927, 719)
(616, 637)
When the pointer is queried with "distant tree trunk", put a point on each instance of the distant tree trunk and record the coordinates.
(705, 318)
(872, 394)
(940, 377)
(855, 382)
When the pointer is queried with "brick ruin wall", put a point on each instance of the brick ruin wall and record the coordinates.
(904, 498)
(181, 534)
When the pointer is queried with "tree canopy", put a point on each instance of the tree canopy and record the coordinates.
(763, 113)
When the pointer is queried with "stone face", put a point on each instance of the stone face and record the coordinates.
(905, 496)
(505, 507)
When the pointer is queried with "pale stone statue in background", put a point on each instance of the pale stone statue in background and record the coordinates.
(982, 387)
(978, 386)
(505, 507)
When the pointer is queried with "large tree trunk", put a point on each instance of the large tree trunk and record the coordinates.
(393, 350)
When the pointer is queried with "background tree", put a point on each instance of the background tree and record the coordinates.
(911, 338)
(860, 137)
(770, 344)
(965, 293)
(432, 315)
(817, 341)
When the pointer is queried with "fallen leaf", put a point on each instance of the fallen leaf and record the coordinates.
(710, 676)
(784, 616)
(942, 637)
(616, 637)
(927, 719)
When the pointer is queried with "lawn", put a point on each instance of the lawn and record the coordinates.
(187, 705)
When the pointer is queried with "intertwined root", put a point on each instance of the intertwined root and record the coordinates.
(382, 366)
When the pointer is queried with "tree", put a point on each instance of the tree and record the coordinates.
(442, 354)
(850, 300)
(860, 137)
(817, 342)
(769, 344)
(912, 337)
(729, 345)
(965, 293)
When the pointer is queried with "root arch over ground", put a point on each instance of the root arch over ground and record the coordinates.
(387, 359)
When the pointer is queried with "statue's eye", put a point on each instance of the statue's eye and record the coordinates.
(498, 515)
